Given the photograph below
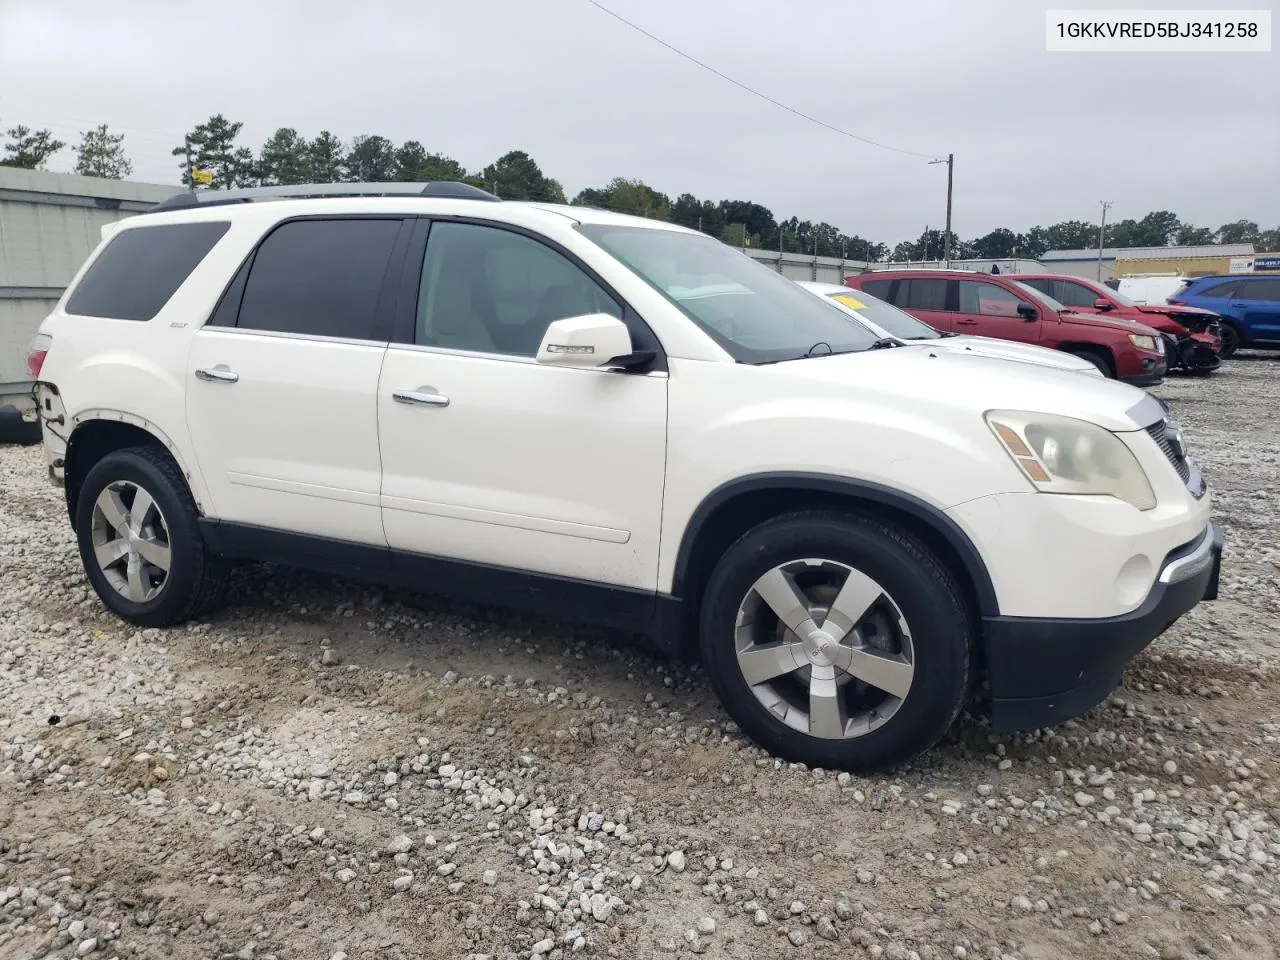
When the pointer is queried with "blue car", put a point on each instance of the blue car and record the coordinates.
(1249, 305)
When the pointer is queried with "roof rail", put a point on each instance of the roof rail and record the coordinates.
(433, 188)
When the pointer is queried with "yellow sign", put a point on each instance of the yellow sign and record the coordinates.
(851, 302)
(202, 176)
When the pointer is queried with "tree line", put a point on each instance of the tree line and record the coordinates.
(289, 157)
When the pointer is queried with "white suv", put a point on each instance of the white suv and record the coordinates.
(618, 420)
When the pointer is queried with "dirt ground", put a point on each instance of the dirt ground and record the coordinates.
(324, 770)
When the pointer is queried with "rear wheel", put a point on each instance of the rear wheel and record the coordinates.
(136, 526)
(836, 640)
(1103, 363)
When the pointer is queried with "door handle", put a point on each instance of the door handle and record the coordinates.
(425, 396)
(218, 374)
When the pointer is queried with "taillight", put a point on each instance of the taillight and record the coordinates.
(36, 353)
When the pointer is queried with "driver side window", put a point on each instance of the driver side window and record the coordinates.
(986, 299)
(489, 290)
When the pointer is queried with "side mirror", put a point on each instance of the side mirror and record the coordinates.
(585, 342)
(1102, 304)
(1026, 311)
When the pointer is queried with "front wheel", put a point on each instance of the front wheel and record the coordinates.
(1098, 360)
(1230, 341)
(837, 640)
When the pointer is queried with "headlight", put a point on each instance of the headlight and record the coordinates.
(1064, 455)
(1144, 342)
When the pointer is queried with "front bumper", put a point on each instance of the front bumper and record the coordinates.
(1045, 670)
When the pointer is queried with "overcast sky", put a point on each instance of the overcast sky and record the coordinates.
(1038, 137)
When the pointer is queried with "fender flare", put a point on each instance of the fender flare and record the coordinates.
(104, 414)
(922, 512)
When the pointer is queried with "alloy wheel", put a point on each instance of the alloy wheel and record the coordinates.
(131, 541)
(824, 648)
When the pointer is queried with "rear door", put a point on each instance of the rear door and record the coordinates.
(1257, 302)
(989, 310)
(282, 382)
(927, 298)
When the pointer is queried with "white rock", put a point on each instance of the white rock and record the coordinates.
(706, 925)
(402, 883)
(1083, 799)
(489, 878)
(400, 844)
(675, 860)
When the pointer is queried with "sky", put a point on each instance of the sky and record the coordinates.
(1038, 137)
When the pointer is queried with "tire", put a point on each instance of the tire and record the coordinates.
(810, 550)
(1231, 340)
(133, 585)
(1103, 363)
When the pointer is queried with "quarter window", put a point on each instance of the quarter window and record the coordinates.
(140, 268)
(986, 299)
(495, 291)
(320, 278)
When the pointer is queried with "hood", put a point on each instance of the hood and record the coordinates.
(1011, 350)
(958, 382)
(1170, 310)
(1110, 323)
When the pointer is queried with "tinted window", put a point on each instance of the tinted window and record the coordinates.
(319, 278)
(986, 299)
(1068, 293)
(1266, 289)
(1042, 284)
(495, 291)
(141, 268)
(921, 294)
(1226, 289)
(877, 288)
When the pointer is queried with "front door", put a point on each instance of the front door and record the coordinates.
(989, 310)
(282, 382)
(493, 458)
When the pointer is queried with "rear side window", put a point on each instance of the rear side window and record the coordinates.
(141, 268)
(320, 278)
(1261, 289)
(922, 294)
(878, 288)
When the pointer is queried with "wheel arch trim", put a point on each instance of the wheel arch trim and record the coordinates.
(867, 491)
(109, 415)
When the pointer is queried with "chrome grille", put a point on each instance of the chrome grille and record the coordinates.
(1170, 447)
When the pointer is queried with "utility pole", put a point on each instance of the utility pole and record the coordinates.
(191, 180)
(946, 237)
(1102, 229)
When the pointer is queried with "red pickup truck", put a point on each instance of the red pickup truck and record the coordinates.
(961, 301)
(1193, 337)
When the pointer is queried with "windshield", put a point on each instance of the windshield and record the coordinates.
(895, 322)
(756, 314)
(1039, 296)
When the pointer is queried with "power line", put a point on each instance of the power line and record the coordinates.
(755, 92)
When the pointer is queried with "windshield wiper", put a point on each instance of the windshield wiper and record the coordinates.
(820, 343)
(885, 343)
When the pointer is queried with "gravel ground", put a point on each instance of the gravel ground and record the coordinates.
(329, 771)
